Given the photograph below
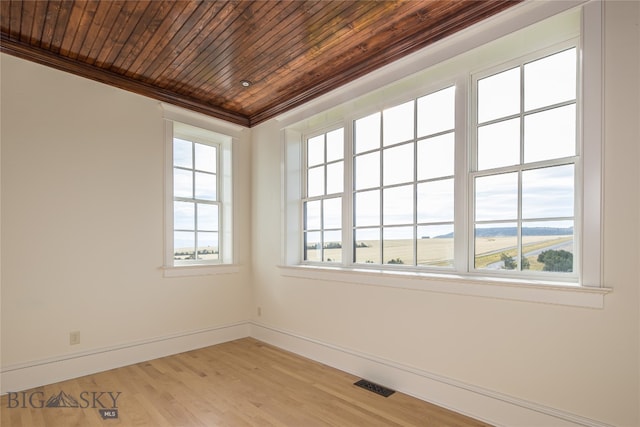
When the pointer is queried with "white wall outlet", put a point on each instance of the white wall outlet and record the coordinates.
(74, 337)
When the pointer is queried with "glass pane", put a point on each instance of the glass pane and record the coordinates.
(335, 177)
(208, 246)
(499, 95)
(550, 80)
(205, 158)
(397, 123)
(315, 150)
(335, 145)
(367, 208)
(205, 186)
(435, 201)
(184, 243)
(548, 192)
(207, 217)
(367, 246)
(367, 173)
(182, 183)
(496, 246)
(436, 157)
(435, 245)
(184, 215)
(332, 246)
(499, 144)
(367, 133)
(315, 181)
(397, 164)
(312, 246)
(332, 213)
(397, 246)
(497, 197)
(397, 205)
(436, 112)
(182, 155)
(548, 246)
(550, 134)
(312, 215)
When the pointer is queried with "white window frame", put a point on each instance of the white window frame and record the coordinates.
(204, 130)
(589, 290)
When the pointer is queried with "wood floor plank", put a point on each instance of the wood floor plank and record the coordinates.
(236, 384)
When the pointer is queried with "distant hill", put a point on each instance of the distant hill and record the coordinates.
(513, 231)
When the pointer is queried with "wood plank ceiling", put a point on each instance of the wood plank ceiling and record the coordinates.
(195, 54)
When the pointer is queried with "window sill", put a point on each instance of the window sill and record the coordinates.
(489, 287)
(200, 270)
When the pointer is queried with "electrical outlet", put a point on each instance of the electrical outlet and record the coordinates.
(74, 337)
(259, 311)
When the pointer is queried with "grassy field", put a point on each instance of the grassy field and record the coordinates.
(439, 252)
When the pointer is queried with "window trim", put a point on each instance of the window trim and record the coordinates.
(224, 135)
(590, 91)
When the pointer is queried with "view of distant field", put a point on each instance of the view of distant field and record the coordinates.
(439, 251)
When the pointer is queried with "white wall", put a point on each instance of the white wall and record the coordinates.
(82, 228)
(563, 360)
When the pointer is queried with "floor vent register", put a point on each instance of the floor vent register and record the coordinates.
(378, 389)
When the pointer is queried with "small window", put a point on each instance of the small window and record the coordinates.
(199, 195)
(322, 208)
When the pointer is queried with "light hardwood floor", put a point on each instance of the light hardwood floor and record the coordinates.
(239, 383)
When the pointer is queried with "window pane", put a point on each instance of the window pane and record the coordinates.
(497, 197)
(332, 213)
(335, 145)
(182, 183)
(315, 150)
(315, 181)
(182, 155)
(184, 216)
(499, 95)
(550, 134)
(548, 246)
(205, 158)
(397, 123)
(184, 243)
(436, 112)
(207, 217)
(436, 157)
(397, 246)
(499, 144)
(312, 215)
(496, 246)
(550, 80)
(435, 201)
(435, 245)
(397, 164)
(548, 192)
(335, 177)
(205, 186)
(367, 246)
(367, 208)
(398, 205)
(208, 245)
(367, 173)
(332, 246)
(367, 133)
(312, 246)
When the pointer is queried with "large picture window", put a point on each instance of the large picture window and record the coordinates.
(482, 169)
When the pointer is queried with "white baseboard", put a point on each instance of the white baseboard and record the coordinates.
(486, 405)
(47, 371)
